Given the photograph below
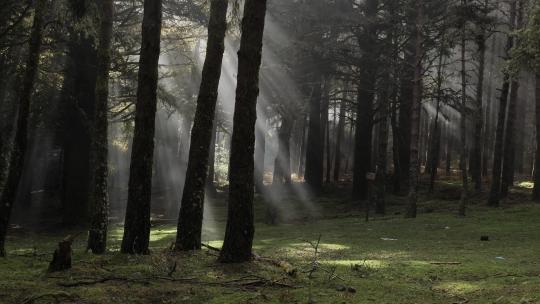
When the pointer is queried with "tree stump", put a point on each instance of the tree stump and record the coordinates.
(62, 255)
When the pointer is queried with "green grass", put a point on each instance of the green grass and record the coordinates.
(386, 260)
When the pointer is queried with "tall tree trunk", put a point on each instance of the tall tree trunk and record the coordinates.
(77, 110)
(260, 151)
(463, 126)
(137, 223)
(282, 163)
(210, 185)
(476, 161)
(340, 130)
(536, 189)
(188, 235)
(510, 134)
(380, 203)
(21, 134)
(415, 113)
(97, 235)
(314, 149)
(494, 194)
(240, 228)
(364, 111)
(405, 115)
(435, 146)
(301, 157)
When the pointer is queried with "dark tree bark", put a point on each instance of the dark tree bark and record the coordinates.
(137, 223)
(77, 113)
(21, 134)
(338, 153)
(240, 228)
(494, 194)
(415, 113)
(97, 236)
(191, 210)
(536, 189)
(405, 115)
(476, 160)
(260, 151)
(435, 145)
(210, 185)
(380, 203)
(314, 149)
(510, 134)
(463, 127)
(364, 111)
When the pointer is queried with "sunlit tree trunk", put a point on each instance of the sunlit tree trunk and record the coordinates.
(210, 185)
(191, 210)
(240, 228)
(9, 192)
(536, 189)
(97, 235)
(137, 223)
(260, 151)
(494, 194)
(282, 163)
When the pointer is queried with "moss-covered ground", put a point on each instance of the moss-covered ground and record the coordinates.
(436, 258)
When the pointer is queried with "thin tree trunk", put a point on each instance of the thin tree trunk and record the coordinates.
(210, 185)
(338, 153)
(188, 235)
(137, 223)
(494, 194)
(240, 228)
(463, 127)
(509, 138)
(536, 189)
(260, 150)
(21, 134)
(415, 116)
(282, 163)
(97, 235)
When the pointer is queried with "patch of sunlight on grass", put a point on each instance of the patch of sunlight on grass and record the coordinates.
(162, 234)
(457, 287)
(526, 184)
(370, 263)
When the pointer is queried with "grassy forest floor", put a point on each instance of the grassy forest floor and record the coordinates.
(436, 258)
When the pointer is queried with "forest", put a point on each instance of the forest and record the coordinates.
(269, 151)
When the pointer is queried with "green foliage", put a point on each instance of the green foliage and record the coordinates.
(526, 54)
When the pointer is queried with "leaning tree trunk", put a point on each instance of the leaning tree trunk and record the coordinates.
(494, 194)
(188, 235)
(240, 228)
(97, 236)
(21, 134)
(415, 114)
(137, 223)
(536, 189)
